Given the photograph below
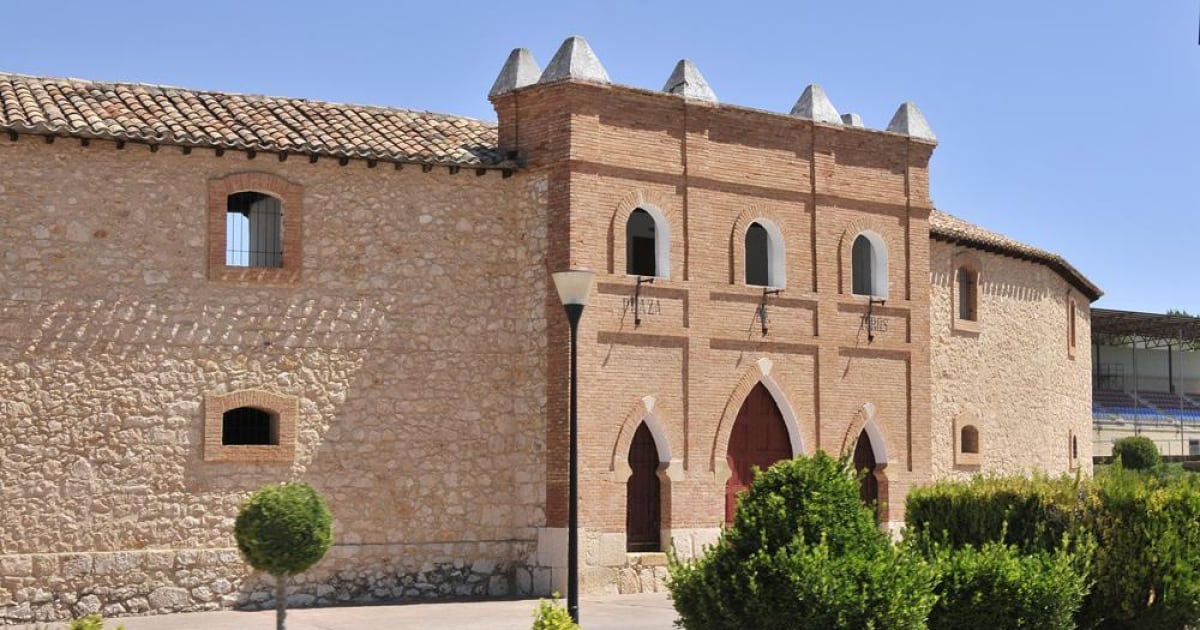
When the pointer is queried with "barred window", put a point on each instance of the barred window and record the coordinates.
(253, 230)
(245, 426)
(968, 294)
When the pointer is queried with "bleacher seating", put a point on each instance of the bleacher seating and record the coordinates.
(1147, 405)
(1171, 404)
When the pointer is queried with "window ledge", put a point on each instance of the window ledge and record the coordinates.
(967, 326)
(968, 460)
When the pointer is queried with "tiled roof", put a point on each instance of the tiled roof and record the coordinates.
(945, 227)
(178, 116)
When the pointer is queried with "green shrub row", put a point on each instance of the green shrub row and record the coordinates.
(1134, 535)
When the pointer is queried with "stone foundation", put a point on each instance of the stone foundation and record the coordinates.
(53, 587)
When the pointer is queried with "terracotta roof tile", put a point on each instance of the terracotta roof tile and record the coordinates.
(952, 229)
(169, 115)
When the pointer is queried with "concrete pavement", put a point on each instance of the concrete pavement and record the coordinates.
(650, 611)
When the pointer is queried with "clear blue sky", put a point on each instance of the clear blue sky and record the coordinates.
(1073, 125)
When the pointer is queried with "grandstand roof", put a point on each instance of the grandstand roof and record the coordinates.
(1152, 328)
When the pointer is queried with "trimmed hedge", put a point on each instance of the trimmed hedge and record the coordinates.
(803, 552)
(1136, 452)
(999, 587)
(1030, 514)
(1147, 565)
(1144, 529)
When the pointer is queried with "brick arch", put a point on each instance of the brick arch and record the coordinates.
(633, 200)
(846, 247)
(288, 192)
(760, 372)
(864, 420)
(284, 411)
(737, 240)
(644, 410)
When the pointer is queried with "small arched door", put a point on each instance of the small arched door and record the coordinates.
(864, 459)
(759, 439)
(643, 494)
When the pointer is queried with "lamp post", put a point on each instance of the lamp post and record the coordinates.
(573, 286)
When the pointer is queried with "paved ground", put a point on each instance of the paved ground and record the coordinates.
(623, 612)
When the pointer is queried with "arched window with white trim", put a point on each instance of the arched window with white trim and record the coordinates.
(765, 255)
(647, 243)
(869, 266)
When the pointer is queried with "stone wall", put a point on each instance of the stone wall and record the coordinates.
(1011, 374)
(412, 342)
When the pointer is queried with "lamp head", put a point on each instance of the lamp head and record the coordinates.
(574, 286)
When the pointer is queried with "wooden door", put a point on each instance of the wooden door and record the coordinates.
(864, 459)
(759, 439)
(643, 498)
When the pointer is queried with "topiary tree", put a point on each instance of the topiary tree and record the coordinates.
(283, 530)
(803, 553)
(1137, 453)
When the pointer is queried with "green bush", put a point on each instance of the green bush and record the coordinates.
(551, 616)
(1136, 452)
(1147, 564)
(1144, 528)
(1031, 514)
(89, 622)
(998, 586)
(803, 552)
(283, 530)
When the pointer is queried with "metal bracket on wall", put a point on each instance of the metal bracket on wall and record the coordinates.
(871, 302)
(637, 295)
(762, 308)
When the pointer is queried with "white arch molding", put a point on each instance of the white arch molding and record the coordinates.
(776, 253)
(662, 239)
(879, 263)
(875, 435)
(719, 464)
(667, 467)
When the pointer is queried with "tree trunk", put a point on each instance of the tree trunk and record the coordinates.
(280, 601)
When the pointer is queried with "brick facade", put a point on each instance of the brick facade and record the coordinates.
(416, 363)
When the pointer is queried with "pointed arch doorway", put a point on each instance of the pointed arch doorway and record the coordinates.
(870, 460)
(643, 494)
(759, 439)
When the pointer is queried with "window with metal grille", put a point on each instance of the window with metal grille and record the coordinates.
(248, 426)
(253, 230)
(968, 294)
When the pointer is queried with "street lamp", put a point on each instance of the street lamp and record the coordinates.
(573, 286)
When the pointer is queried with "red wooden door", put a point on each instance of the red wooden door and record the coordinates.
(759, 439)
(864, 459)
(642, 494)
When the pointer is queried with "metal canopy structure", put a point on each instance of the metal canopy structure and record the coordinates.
(1146, 330)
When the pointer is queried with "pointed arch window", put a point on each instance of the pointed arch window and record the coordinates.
(869, 266)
